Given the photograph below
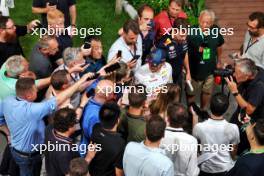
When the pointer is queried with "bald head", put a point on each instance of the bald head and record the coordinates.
(104, 89)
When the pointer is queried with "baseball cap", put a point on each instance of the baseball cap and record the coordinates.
(157, 56)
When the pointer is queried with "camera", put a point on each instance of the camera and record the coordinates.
(226, 72)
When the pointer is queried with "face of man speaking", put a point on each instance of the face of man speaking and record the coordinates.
(130, 38)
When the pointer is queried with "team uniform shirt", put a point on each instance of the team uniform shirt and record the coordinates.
(151, 80)
(175, 55)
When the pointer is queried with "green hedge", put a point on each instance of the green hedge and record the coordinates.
(192, 7)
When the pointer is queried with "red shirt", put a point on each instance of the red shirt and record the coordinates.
(163, 23)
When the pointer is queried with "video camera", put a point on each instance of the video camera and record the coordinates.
(220, 74)
(226, 72)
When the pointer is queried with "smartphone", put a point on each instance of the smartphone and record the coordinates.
(136, 57)
(93, 77)
(151, 24)
(112, 68)
(39, 25)
(119, 53)
(243, 114)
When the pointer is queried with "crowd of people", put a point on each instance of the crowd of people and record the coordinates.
(72, 111)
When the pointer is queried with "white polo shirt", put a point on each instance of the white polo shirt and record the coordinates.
(127, 54)
(151, 80)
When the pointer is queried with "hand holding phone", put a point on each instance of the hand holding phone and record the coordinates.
(119, 53)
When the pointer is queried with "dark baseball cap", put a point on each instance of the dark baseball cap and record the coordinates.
(157, 56)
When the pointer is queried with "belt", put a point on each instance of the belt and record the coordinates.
(26, 154)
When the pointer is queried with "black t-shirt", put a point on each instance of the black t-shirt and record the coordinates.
(57, 162)
(10, 49)
(40, 64)
(253, 93)
(199, 67)
(175, 54)
(248, 165)
(62, 5)
(111, 155)
(64, 42)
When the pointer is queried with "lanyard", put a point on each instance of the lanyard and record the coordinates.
(74, 80)
(135, 52)
(249, 45)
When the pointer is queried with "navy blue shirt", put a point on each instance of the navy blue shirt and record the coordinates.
(175, 55)
(248, 165)
(147, 44)
(94, 64)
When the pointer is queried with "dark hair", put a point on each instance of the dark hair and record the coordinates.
(259, 16)
(178, 2)
(144, 7)
(177, 115)
(109, 115)
(3, 21)
(131, 25)
(137, 97)
(160, 105)
(24, 85)
(58, 79)
(78, 167)
(92, 38)
(121, 72)
(219, 104)
(64, 119)
(259, 131)
(180, 23)
(155, 128)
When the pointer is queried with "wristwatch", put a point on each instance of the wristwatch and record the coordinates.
(235, 94)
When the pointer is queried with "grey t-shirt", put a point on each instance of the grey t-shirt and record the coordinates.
(254, 51)
(39, 63)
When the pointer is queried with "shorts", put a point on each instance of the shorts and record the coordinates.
(207, 86)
